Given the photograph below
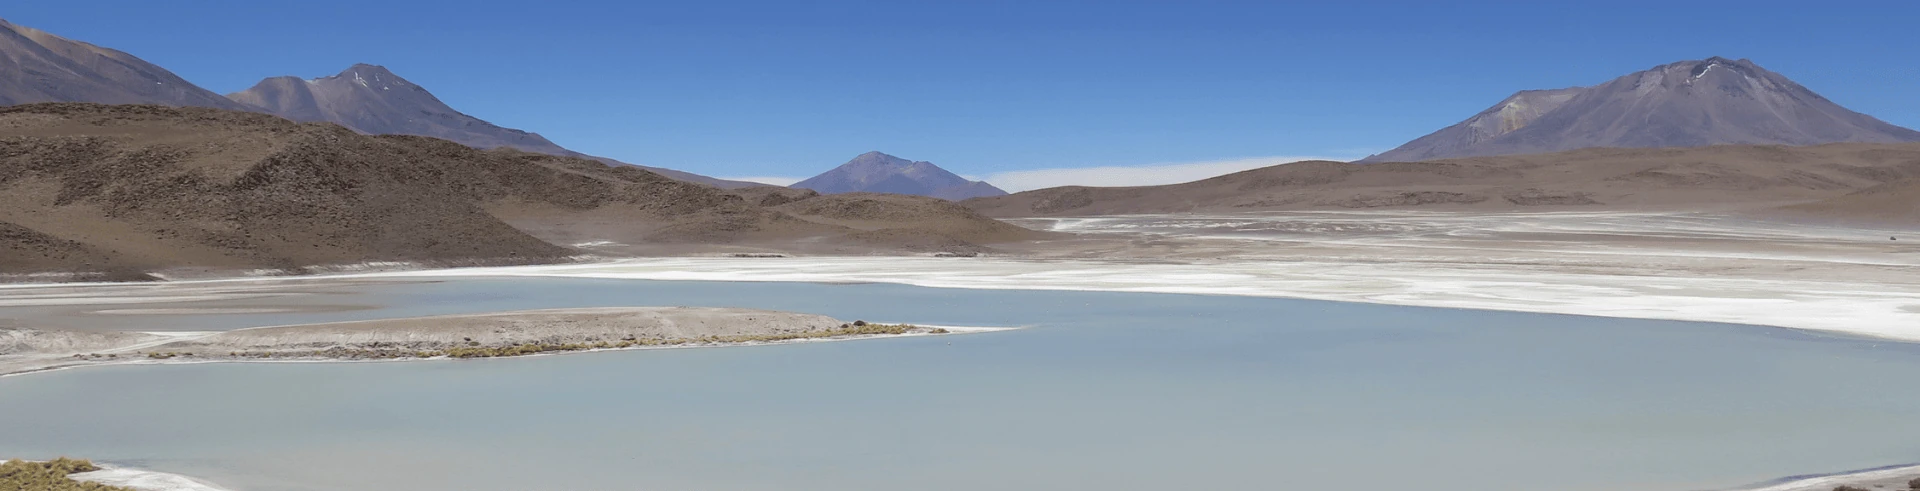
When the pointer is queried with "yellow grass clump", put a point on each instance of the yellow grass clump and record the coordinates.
(50, 476)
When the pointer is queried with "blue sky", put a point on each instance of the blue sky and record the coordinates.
(988, 88)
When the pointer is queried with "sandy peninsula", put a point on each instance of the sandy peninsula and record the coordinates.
(500, 334)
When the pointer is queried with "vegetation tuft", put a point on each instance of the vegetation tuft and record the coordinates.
(50, 476)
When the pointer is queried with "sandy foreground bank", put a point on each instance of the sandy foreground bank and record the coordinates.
(1890, 478)
(454, 336)
(144, 480)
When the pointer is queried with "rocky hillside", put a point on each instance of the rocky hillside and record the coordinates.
(912, 222)
(1895, 204)
(95, 189)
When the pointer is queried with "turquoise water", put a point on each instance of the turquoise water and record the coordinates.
(1112, 391)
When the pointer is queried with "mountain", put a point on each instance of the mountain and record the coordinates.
(875, 172)
(1460, 139)
(39, 67)
(373, 100)
(1697, 103)
(115, 191)
(1723, 177)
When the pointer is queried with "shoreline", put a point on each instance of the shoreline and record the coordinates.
(508, 334)
(137, 361)
(1884, 478)
(144, 479)
(1664, 265)
(844, 270)
(1021, 274)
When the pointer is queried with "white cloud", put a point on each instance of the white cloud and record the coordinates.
(774, 180)
(1141, 175)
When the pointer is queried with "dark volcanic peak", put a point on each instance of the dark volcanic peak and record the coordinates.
(372, 99)
(36, 66)
(875, 172)
(1509, 115)
(1715, 101)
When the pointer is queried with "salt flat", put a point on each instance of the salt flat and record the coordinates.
(1637, 265)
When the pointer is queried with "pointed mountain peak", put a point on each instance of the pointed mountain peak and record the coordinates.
(878, 158)
(373, 77)
(1691, 103)
(1711, 60)
(369, 70)
(876, 172)
(1692, 70)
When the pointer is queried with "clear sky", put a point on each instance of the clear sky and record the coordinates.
(987, 88)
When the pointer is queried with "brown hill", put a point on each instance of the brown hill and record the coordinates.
(29, 250)
(769, 195)
(95, 189)
(914, 222)
(1891, 204)
(1720, 177)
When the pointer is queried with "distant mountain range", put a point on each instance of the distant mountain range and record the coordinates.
(875, 172)
(1696, 103)
(36, 66)
(1860, 182)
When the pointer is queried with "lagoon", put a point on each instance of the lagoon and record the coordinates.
(1103, 390)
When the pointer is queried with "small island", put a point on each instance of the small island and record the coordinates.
(501, 334)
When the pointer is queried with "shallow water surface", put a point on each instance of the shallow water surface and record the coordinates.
(1105, 391)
